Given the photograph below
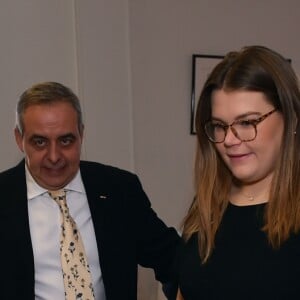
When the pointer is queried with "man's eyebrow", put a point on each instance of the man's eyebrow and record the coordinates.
(67, 135)
(37, 136)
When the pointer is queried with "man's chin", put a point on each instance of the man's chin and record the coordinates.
(52, 184)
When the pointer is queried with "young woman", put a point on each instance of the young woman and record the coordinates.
(242, 229)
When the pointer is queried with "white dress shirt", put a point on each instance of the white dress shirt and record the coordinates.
(45, 230)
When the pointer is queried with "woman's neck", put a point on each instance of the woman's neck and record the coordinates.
(250, 193)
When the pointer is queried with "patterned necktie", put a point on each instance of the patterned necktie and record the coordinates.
(75, 268)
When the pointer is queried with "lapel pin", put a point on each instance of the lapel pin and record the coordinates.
(102, 197)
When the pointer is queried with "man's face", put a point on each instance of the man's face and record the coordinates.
(51, 142)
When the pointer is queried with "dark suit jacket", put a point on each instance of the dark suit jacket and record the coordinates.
(128, 232)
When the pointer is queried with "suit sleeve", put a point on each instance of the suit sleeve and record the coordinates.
(157, 244)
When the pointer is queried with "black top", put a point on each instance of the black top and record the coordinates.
(243, 264)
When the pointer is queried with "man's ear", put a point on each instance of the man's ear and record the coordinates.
(19, 139)
(81, 131)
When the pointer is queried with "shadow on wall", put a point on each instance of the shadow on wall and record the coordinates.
(148, 287)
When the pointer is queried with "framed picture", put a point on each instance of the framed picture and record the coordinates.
(202, 66)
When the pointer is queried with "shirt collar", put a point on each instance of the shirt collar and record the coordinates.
(34, 189)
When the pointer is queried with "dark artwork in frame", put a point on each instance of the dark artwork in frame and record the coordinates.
(202, 66)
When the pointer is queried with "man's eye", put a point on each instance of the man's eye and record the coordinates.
(66, 141)
(39, 142)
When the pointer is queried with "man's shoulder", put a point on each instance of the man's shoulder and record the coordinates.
(96, 175)
(90, 167)
(18, 170)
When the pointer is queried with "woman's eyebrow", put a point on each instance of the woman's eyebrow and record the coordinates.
(238, 117)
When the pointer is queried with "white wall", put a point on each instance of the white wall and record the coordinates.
(37, 44)
(130, 62)
(163, 36)
(104, 80)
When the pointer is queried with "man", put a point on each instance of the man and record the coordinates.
(116, 225)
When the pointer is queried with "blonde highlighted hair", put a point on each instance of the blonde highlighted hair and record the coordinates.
(253, 68)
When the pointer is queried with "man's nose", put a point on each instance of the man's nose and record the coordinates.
(54, 153)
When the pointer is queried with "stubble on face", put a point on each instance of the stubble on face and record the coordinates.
(51, 142)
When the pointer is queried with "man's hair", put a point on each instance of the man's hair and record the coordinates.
(46, 93)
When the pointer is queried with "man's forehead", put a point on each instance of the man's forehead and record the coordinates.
(48, 105)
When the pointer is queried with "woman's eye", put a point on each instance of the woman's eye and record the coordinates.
(245, 123)
(218, 125)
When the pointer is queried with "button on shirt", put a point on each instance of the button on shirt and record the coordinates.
(45, 230)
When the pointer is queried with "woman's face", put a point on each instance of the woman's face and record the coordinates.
(255, 160)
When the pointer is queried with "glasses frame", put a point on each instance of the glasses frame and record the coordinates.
(254, 123)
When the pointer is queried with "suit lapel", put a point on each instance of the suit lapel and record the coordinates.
(99, 198)
(102, 205)
(14, 216)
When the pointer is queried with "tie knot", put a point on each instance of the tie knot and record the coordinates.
(58, 194)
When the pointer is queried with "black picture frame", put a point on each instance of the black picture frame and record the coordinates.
(202, 65)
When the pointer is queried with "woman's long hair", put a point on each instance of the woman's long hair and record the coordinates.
(259, 69)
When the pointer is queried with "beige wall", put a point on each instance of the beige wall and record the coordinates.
(130, 62)
(37, 44)
(163, 36)
(104, 80)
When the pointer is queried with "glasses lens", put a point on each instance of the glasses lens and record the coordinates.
(215, 131)
(245, 130)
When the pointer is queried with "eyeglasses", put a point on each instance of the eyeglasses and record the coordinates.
(244, 130)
